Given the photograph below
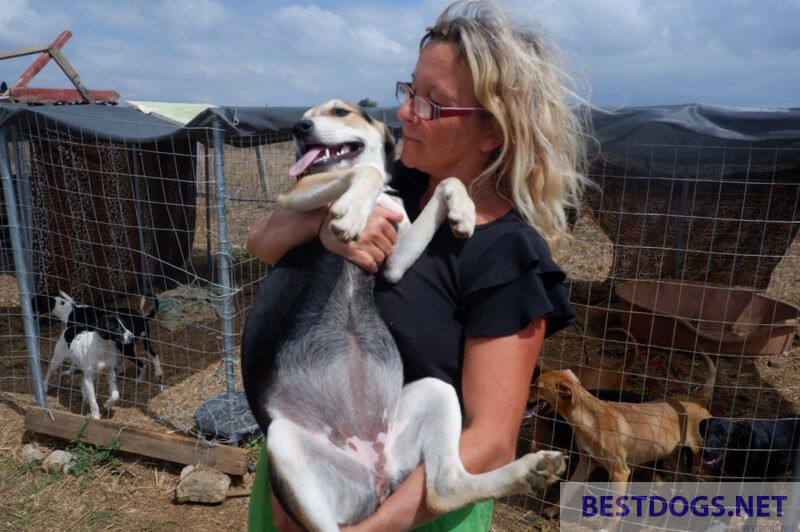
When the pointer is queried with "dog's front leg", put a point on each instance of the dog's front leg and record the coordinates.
(87, 387)
(431, 417)
(60, 352)
(316, 190)
(351, 211)
(450, 200)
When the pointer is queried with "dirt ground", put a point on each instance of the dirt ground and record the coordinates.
(137, 493)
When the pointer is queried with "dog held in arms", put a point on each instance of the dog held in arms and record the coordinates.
(321, 371)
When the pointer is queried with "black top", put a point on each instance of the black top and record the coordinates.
(492, 284)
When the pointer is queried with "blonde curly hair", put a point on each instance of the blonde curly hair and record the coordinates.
(540, 165)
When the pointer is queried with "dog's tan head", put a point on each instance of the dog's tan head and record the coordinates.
(338, 135)
(556, 391)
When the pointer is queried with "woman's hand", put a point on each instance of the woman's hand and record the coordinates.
(374, 244)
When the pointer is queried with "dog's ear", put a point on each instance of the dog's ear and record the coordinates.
(566, 392)
(389, 147)
(65, 296)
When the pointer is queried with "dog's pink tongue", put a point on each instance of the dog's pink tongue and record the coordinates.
(305, 161)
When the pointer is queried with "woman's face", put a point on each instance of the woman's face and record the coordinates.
(452, 146)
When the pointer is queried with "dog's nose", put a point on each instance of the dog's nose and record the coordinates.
(303, 127)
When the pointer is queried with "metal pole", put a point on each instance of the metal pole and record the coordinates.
(224, 256)
(28, 321)
(145, 281)
(262, 172)
(208, 207)
(681, 222)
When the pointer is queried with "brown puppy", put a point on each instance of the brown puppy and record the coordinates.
(616, 436)
(601, 377)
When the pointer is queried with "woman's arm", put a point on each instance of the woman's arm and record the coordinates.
(495, 383)
(283, 229)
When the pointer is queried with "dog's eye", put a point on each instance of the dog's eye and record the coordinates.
(338, 111)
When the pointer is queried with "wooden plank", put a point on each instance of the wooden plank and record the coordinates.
(38, 95)
(19, 52)
(71, 73)
(169, 447)
(42, 60)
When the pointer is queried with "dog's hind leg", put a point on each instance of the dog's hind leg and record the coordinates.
(157, 371)
(112, 386)
(429, 420)
(321, 486)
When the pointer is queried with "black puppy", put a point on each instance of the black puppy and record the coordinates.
(751, 448)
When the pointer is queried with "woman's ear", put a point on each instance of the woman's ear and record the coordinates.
(492, 139)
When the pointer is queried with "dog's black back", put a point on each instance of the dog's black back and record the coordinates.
(315, 348)
(751, 448)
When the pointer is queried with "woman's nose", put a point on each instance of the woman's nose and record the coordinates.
(406, 112)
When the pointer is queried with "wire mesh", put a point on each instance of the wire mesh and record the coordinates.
(110, 222)
(689, 247)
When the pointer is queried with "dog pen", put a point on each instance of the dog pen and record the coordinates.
(693, 209)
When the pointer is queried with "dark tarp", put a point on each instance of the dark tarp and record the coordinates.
(669, 137)
(638, 136)
(125, 125)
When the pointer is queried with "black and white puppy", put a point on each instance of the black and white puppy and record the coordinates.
(93, 350)
(82, 316)
(751, 448)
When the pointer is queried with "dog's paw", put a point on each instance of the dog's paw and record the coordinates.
(460, 208)
(392, 272)
(551, 512)
(543, 468)
(348, 220)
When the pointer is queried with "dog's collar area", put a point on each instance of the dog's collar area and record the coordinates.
(318, 155)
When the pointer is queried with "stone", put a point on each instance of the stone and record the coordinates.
(31, 453)
(202, 484)
(57, 462)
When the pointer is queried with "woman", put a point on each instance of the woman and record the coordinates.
(485, 104)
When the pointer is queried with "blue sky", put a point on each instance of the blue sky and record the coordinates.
(629, 52)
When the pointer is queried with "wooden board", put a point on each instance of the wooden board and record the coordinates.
(169, 447)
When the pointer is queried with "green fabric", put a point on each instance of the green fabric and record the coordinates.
(477, 518)
(259, 512)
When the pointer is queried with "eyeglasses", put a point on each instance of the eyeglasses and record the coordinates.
(426, 109)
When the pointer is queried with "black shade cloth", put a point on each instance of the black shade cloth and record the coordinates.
(125, 125)
(636, 132)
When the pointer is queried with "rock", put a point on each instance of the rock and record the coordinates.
(57, 462)
(202, 484)
(30, 453)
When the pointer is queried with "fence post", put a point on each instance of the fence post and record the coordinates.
(28, 320)
(224, 256)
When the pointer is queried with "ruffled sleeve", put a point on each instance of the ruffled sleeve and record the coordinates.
(512, 282)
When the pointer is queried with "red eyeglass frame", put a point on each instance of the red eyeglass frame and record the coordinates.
(438, 111)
